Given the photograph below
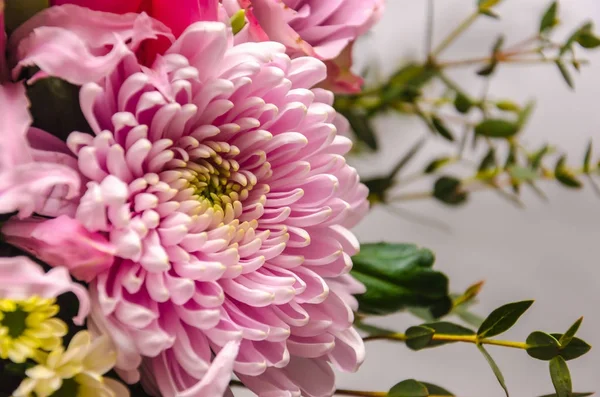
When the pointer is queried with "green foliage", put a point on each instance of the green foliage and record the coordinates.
(18, 11)
(449, 191)
(497, 128)
(422, 336)
(503, 318)
(442, 129)
(463, 103)
(398, 276)
(413, 388)
(561, 377)
(491, 67)
(549, 19)
(542, 346)
(565, 176)
(494, 367)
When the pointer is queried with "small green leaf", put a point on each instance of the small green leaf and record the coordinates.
(408, 388)
(567, 337)
(488, 162)
(491, 67)
(485, 4)
(437, 164)
(419, 337)
(238, 21)
(565, 176)
(522, 173)
(508, 106)
(497, 128)
(588, 158)
(462, 103)
(536, 159)
(575, 349)
(572, 395)
(525, 114)
(503, 318)
(549, 19)
(494, 367)
(441, 128)
(435, 390)
(398, 276)
(564, 73)
(361, 125)
(542, 346)
(586, 37)
(449, 191)
(561, 377)
(489, 13)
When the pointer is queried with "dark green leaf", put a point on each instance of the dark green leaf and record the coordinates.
(491, 67)
(588, 158)
(575, 349)
(378, 188)
(435, 390)
(18, 11)
(536, 159)
(497, 128)
(542, 346)
(419, 337)
(566, 338)
(561, 377)
(62, 113)
(568, 46)
(488, 162)
(441, 128)
(436, 165)
(565, 73)
(587, 39)
(503, 318)
(362, 128)
(398, 276)
(449, 191)
(406, 158)
(565, 176)
(572, 395)
(549, 19)
(462, 103)
(408, 388)
(494, 367)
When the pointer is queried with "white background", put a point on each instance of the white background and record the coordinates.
(548, 251)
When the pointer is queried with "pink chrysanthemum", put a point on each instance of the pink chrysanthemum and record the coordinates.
(218, 176)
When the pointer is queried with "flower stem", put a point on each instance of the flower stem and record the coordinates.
(398, 337)
(357, 393)
(455, 33)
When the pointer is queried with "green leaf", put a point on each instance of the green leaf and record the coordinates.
(572, 395)
(462, 103)
(441, 128)
(565, 176)
(491, 67)
(585, 37)
(484, 4)
(408, 388)
(398, 276)
(488, 162)
(588, 158)
(542, 346)
(536, 159)
(508, 106)
(238, 21)
(435, 390)
(549, 19)
(494, 367)
(503, 318)
(522, 173)
(18, 11)
(561, 377)
(437, 164)
(575, 349)
(567, 337)
(564, 73)
(361, 125)
(525, 114)
(449, 191)
(62, 113)
(419, 337)
(489, 13)
(497, 128)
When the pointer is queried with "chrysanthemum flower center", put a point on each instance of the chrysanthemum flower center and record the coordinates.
(28, 325)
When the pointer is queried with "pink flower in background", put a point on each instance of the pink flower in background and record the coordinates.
(62, 242)
(218, 176)
(21, 278)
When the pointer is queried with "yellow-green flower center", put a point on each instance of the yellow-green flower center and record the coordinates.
(28, 325)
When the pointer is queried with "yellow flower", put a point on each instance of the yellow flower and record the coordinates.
(28, 325)
(74, 372)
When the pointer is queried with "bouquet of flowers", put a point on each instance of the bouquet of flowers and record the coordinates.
(176, 205)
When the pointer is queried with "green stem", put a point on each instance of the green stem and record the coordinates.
(452, 338)
(357, 393)
(455, 34)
